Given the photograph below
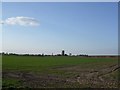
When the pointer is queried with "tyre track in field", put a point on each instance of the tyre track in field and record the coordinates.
(98, 74)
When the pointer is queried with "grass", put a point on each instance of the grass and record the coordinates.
(35, 63)
(11, 83)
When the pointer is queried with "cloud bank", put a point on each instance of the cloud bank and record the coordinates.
(22, 21)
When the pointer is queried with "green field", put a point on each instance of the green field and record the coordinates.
(59, 72)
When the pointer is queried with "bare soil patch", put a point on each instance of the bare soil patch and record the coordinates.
(96, 78)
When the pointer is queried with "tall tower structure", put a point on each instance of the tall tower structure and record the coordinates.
(70, 54)
(63, 52)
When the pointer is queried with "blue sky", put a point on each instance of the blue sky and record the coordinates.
(79, 28)
(60, 0)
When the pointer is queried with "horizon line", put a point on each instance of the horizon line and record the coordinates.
(60, 53)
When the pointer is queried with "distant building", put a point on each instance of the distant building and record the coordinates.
(70, 54)
(42, 54)
(63, 53)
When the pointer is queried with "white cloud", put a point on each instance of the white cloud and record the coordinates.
(22, 21)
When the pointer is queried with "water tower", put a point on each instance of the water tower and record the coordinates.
(63, 53)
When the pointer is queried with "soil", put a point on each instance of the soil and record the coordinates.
(93, 78)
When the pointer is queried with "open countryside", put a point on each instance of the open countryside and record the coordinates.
(59, 45)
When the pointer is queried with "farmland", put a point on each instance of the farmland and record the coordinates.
(59, 72)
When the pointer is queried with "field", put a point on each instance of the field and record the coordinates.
(59, 72)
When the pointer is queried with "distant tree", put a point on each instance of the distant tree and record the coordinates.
(39, 55)
(65, 55)
(42, 54)
(58, 55)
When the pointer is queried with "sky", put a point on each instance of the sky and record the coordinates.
(60, 0)
(77, 28)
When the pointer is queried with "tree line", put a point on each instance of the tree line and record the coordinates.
(8, 54)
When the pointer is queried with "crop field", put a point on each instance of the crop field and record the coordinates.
(59, 72)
